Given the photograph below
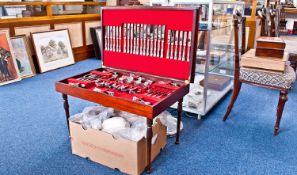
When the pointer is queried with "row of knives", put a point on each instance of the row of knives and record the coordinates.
(148, 40)
(179, 45)
(113, 38)
(144, 39)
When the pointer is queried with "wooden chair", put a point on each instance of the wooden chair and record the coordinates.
(281, 82)
(266, 29)
(263, 23)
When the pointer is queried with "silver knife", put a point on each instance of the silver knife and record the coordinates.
(152, 40)
(125, 37)
(184, 46)
(131, 38)
(148, 39)
(113, 39)
(128, 38)
(120, 38)
(189, 45)
(161, 54)
(137, 39)
(176, 44)
(156, 33)
(106, 46)
(159, 41)
(141, 39)
(172, 43)
(168, 44)
(116, 39)
(134, 38)
(144, 40)
(180, 45)
(110, 38)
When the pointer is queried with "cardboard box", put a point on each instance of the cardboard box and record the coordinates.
(249, 60)
(122, 154)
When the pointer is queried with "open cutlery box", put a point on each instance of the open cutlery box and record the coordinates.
(148, 60)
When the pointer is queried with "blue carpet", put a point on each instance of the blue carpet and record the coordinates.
(34, 137)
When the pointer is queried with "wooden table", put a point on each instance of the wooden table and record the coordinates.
(155, 68)
(148, 111)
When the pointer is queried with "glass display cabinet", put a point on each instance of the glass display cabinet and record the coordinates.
(24, 18)
(45, 9)
(215, 53)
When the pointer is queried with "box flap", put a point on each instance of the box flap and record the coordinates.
(181, 20)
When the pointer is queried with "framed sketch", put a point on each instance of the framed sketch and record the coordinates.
(22, 55)
(53, 49)
(96, 38)
(8, 68)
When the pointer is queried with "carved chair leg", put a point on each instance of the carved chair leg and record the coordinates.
(283, 97)
(66, 108)
(236, 90)
(179, 114)
(149, 133)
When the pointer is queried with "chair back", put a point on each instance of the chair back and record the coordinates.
(269, 21)
(237, 20)
(263, 22)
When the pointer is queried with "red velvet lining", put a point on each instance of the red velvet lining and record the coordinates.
(151, 93)
(172, 19)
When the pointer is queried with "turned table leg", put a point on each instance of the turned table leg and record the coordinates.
(66, 108)
(283, 97)
(179, 113)
(149, 134)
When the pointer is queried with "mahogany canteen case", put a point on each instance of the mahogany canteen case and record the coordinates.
(148, 60)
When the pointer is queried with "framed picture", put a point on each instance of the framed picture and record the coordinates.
(22, 55)
(96, 38)
(8, 68)
(53, 49)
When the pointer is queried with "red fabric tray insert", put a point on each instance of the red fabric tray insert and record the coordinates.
(172, 19)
